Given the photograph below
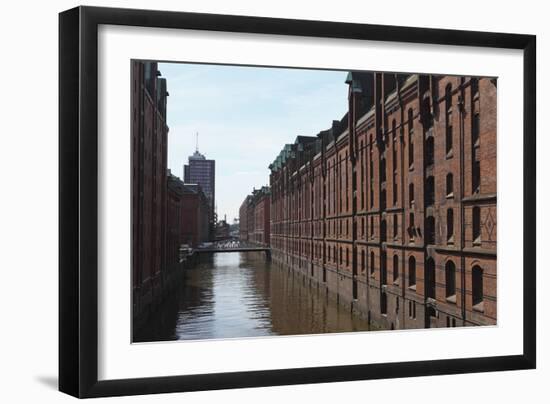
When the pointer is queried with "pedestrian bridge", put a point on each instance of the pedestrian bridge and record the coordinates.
(228, 247)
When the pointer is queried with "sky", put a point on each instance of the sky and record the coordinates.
(244, 116)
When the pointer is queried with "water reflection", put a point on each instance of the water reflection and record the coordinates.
(232, 295)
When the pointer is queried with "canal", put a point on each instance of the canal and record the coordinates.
(235, 295)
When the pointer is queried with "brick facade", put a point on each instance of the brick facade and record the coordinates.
(195, 215)
(255, 218)
(393, 209)
(149, 146)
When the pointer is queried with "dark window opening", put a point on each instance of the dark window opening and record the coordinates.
(412, 229)
(395, 268)
(426, 112)
(448, 119)
(448, 97)
(382, 169)
(395, 225)
(383, 234)
(449, 184)
(394, 189)
(372, 262)
(411, 135)
(477, 285)
(430, 191)
(450, 225)
(430, 279)
(430, 230)
(383, 269)
(476, 177)
(448, 138)
(383, 303)
(476, 225)
(394, 145)
(429, 151)
(411, 194)
(371, 227)
(475, 129)
(412, 271)
(450, 279)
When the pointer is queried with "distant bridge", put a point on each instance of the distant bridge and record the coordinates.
(236, 246)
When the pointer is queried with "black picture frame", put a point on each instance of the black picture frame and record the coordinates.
(78, 200)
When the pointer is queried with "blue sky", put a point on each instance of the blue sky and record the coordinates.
(244, 116)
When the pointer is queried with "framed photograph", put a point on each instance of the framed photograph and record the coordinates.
(249, 201)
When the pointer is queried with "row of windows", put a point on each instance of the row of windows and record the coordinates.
(428, 122)
(450, 280)
(429, 227)
(450, 276)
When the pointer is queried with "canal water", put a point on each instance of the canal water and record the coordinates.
(235, 295)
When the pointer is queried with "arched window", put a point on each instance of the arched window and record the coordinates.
(395, 268)
(450, 225)
(449, 184)
(430, 278)
(410, 125)
(450, 279)
(383, 200)
(383, 229)
(341, 256)
(412, 271)
(477, 285)
(347, 256)
(476, 225)
(430, 230)
(395, 225)
(363, 263)
(411, 194)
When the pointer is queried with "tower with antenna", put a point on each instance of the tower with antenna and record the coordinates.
(199, 170)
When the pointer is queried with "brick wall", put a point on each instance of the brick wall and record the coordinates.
(394, 209)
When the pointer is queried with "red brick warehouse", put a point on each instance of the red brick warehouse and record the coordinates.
(393, 209)
(149, 149)
(254, 217)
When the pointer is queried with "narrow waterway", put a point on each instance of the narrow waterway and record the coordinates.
(235, 295)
